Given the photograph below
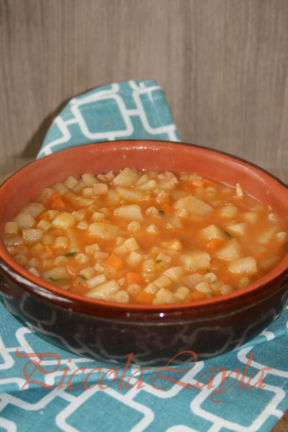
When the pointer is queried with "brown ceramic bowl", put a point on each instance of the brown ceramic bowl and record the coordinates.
(154, 334)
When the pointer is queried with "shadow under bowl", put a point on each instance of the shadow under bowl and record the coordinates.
(152, 335)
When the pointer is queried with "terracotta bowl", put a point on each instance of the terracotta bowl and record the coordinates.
(153, 334)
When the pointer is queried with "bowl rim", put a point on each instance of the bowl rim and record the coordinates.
(44, 289)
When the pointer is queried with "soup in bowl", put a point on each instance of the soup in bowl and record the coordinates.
(151, 248)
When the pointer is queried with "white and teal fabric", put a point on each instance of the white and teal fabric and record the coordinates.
(128, 110)
(242, 391)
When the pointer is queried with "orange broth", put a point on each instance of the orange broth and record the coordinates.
(146, 237)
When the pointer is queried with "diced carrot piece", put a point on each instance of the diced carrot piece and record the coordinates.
(197, 295)
(213, 244)
(145, 297)
(56, 201)
(114, 262)
(134, 278)
(199, 183)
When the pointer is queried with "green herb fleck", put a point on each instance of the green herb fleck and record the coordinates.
(162, 212)
(58, 280)
(227, 234)
(82, 277)
(207, 270)
(70, 254)
(158, 261)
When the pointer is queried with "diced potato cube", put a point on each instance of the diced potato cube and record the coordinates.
(11, 227)
(163, 281)
(212, 232)
(64, 220)
(237, 229)
(265, 237)
(32, 235)
(245, 266)
(70, 182)
(196, 260)
(230, 251)
(87, 272)
(103, 230)
(181, 293)
(25, 220)
(60, 188)
(126, 177)
(112, 197)
(134, 259)
(88, 179)
(250, 217)
(120, 297)
(100, 188)
(164, 296)
(88, 192)
(134, 227)
(193, 205)
(228, 211)
(131, 194)
(46, 194)
(174, 273)
(34, 209)
(90, 249)
(130, 212)
(104, 290)
(96, 216)
(131, 244)
(203, 287)
(149, 185)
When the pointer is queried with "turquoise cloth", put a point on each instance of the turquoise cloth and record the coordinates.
(205, 402)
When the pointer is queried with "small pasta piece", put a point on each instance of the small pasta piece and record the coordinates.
(94, 281)
(61, 242)
(121, 296)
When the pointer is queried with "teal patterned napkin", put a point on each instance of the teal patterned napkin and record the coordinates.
(242, 391)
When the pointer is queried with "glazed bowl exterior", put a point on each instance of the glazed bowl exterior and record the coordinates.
(150, 334)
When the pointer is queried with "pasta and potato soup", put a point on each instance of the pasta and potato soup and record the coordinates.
(146, 237)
